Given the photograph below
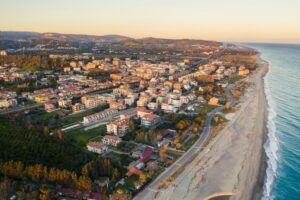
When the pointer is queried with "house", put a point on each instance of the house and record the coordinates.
(129, 101)
(64, 102)
(141, 111)
(243, 71)
(111, 140)
(163, 142)
(77, 107)
(213, 101)
(6, 103)
(3, 53)
(96, 147)
(150, 120)
(146, 155)
(166, 132)
(133, 170)
(118, 127)
(91, 101)
(168, 108)
(116, 76)
(117, 105)
(152, 105)
(49, 107)
(98, 116)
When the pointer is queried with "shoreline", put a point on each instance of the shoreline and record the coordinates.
(235, 160)
(259, 186)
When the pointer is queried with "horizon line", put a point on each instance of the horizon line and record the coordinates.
(170, 38)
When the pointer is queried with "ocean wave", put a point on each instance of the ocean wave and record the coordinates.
(271, 145)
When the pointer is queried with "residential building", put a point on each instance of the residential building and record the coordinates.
(99, 116)
(6, 103)
(213, 101)
(49, 107)
(150, 120)
(118, 127)
(77, 107)
(111, 140)
(96, 147)
(64, 102)
(141, 111)
(117, 105)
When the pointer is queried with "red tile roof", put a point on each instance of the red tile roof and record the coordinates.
(97, 145)
(167, 132)
(112, 137)
(149, 117)
(146, 155)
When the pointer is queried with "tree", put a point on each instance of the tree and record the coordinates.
(163, 153)
(84, 183)
(46, 130)
(142, 177)
(119, 195)
(115, 175)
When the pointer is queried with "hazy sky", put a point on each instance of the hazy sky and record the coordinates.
(225, 20)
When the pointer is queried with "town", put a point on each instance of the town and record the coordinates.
(135, 113)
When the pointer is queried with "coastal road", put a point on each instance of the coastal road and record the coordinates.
(149, 192)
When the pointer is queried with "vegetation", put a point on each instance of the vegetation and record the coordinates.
(81, 137)
(33, 62)
(29, 154)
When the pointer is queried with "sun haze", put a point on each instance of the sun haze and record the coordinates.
(230, 20)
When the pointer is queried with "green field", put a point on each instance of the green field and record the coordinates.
(81, 137)
(74, 118)
(205, 108)
(43, 116)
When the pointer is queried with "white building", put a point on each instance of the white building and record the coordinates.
(118, 127)
(96, 147)
(5, 103)
(111, 140)
(98, 116)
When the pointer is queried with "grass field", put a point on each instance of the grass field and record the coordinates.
(43, 115)
(204, 108)
(81, 137)
(74, 118)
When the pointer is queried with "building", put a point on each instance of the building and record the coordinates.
(141, 111)
(118, 127)
(92, 101)
(6, 103)
(117, 105)
(77, 107)
(152, 105)
(64, 102)
(3, 53)
(99, 116)
(111, 140)
(213, 101)
(146, 155)
(116, 76)
(96, 147)
(150, 120)
(49, 107)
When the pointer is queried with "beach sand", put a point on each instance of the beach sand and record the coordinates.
(235, 159)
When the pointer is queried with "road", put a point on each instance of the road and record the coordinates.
(149, 192)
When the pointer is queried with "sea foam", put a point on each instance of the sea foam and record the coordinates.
(271, 145)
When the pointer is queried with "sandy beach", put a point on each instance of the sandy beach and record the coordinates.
(234, 160)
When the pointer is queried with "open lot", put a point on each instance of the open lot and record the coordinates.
(81, 137)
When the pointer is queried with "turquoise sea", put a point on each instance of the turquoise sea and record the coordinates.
(282, 89)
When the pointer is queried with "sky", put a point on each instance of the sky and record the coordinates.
(222, 20)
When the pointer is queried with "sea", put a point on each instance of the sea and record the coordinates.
(282, 89)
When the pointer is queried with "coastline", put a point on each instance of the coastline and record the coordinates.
(235, 160)
(258, 189)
